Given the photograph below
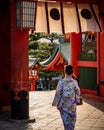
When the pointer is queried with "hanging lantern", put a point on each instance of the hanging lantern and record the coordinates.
(25, 14)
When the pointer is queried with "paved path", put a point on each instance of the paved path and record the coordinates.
(90, 116)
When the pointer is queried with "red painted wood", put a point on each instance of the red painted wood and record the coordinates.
(4, 53)
(75, 47)
(87, 64)
(98, 58)
(19, 54)
(87, 91)
(101, 63)
(102, 90)
(57, 63)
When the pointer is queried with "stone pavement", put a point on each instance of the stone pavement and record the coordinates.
(90, 115)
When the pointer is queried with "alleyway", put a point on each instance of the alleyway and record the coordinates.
(90, 115)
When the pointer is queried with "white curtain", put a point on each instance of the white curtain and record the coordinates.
(54, 25)
(41, 22)
(88, 24)
(70, 18)
(96, 10)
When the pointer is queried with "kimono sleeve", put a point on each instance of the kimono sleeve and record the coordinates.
(58, 93)
(77, 92)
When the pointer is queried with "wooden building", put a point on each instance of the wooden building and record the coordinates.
(61, 16)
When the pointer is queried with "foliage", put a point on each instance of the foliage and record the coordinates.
(33, 45)
(49, 73)
(52, 36)
(42, 51)
(36, 36)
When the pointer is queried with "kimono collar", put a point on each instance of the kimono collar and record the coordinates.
(68, 79)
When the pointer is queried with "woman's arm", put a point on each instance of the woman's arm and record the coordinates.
(58, 94)
(77, 92)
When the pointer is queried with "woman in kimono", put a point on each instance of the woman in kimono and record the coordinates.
(66, 95)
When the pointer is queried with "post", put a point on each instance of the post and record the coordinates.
(75, 45)
(19, 69)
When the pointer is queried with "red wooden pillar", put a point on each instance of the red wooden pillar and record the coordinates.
(102, 15)
(101, 50)
(19, 69)
(101, 64)
(4, 53)
(75, 47)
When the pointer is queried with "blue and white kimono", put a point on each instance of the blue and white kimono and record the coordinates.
(66, 95)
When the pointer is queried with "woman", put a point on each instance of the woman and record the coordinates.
(66, 95)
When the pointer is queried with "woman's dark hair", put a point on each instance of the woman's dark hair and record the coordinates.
(69, 69)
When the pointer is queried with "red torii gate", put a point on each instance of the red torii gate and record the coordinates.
(14, 55)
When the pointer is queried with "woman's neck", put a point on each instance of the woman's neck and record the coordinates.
(68, 76)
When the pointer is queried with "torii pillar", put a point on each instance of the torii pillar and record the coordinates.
(75, 45)
(101, 50)
(19, 70)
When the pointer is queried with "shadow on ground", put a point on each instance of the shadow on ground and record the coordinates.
(7, 124)
(97, 104)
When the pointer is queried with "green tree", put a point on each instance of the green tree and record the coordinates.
(48, 75)
(36, 36)
(42, 51)
(52, 37)
(33, 45)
